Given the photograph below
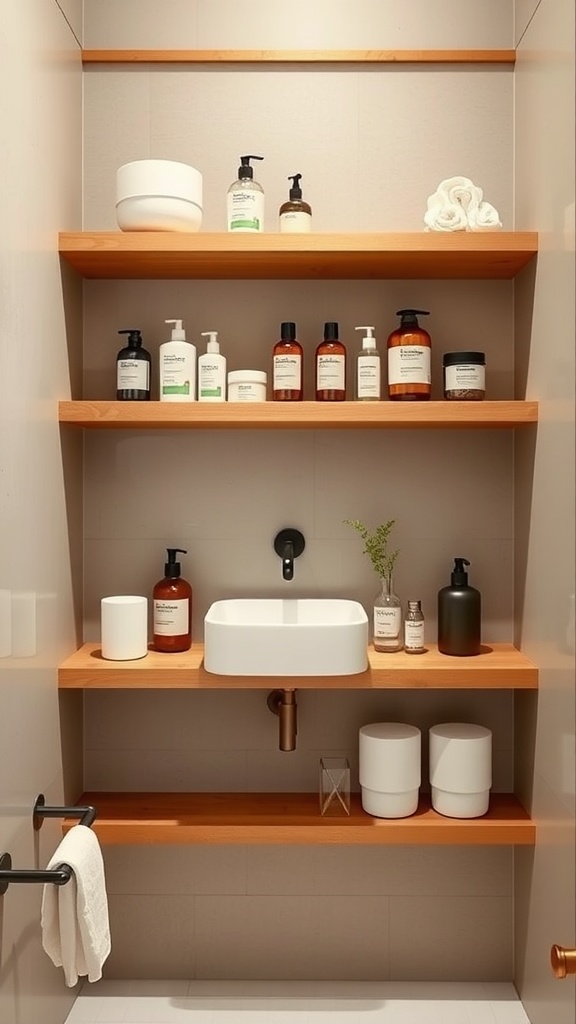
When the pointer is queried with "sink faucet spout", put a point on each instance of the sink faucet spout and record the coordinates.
(289, 544)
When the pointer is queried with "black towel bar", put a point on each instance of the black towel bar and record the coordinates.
(59, 875)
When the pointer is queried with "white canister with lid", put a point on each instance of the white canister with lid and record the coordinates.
(390, 768)
(460, 769)
(247, 385)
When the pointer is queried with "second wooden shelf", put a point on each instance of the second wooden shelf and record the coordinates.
(217, 818)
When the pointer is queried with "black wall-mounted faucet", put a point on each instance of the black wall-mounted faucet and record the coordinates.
(289, 544)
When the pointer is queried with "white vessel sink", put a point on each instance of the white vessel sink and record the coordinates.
(286, 637)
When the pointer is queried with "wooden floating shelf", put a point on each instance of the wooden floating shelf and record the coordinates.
(176, 818)
(499, 667)
(296, 415)
(298, 56)
(335, 256)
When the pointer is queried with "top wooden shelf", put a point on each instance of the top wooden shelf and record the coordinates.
(298, 56)
(331, 256)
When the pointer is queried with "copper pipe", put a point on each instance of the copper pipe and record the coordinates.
(283, 704)
(563, 961)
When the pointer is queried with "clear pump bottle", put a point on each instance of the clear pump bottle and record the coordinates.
(368, 375)
(245, 199)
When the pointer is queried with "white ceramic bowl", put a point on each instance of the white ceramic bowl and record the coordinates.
(158, 195)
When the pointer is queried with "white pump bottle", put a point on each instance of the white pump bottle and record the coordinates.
(212, 371)
(177, 367)
(368, 376)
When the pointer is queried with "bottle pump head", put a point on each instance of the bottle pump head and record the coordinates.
(172, 567)
(459, 577)
(134, 336)
(212, 345)
(177, 333)
(368, 341)
(287, 331)
(245, 171)
(295, 190)
(410, 316)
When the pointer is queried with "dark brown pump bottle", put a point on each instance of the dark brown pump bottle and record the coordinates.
(172, 598)
(287, 366)
(409, 348)
(330, 366)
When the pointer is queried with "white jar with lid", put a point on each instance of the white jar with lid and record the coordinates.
(247, 385)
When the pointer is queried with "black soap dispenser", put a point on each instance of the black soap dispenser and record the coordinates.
(459, 614)
(133, 364)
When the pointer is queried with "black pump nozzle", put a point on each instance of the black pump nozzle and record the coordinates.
(295, 190)
(459, 575)
(172, 567)
(287, 331)
(134, 336)
(410, 316)
(245, 171)
(331, 331)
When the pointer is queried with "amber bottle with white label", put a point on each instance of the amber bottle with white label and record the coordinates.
(172, 608)
(287, 366)
(409, 350)
(330, 366)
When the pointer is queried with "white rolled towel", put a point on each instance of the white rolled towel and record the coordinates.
(444, 216)
(460, 190)
(484, 217)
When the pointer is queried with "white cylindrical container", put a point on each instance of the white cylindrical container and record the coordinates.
(158, 195)
(124, 625)
(460, 769)
(247, 385)
(390, 769)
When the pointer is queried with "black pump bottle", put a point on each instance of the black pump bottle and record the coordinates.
(133, 365)
(459, 614)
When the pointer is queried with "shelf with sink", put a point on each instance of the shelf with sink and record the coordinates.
(177, 818)
(498, 667)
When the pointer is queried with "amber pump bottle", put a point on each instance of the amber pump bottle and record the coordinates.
(172, 598)
(409, 349)
(287, 366)
(330, 366)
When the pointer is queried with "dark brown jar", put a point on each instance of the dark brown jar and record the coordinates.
(330, 367)
(409, 350)
(172, 608)
(464, 376)
(287, 384)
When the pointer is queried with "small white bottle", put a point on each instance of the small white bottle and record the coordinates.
(245, 199)
(177, 367)
(368, 374)
(212, 371)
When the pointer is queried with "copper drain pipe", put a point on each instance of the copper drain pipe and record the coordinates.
(283, 704)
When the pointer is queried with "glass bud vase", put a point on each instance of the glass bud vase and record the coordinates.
(387, 618)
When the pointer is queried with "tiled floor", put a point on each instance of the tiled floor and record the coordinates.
(278, 1002)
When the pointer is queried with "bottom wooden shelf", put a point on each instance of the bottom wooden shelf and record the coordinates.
(136, 818)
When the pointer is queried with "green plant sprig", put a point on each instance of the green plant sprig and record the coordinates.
(376, 546)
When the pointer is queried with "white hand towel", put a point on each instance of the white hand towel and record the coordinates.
(74, 917)
(460, 190)
(483, 217)
(443, 216)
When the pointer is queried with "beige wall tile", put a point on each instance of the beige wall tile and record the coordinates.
(150, 870)
(262, 937)
(322, 24)
(465, 938)
(524, 11)
(72, 11)
(164, 770)
(152, 937)
(378, 871)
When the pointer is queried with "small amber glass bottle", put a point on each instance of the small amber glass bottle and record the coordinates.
(330, 367)
(172, 608)
(287, 366)
(409, 349)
